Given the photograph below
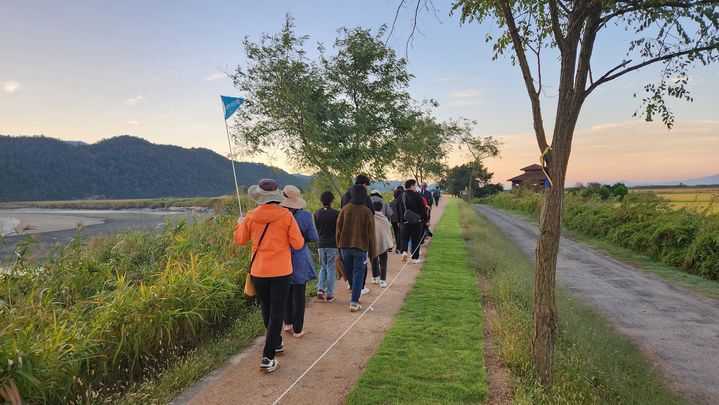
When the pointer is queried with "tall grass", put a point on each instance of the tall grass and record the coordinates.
(98, 314)
(593, 364)
(642, 222)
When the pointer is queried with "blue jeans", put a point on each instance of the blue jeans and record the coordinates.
(354, 261)
(328, 270)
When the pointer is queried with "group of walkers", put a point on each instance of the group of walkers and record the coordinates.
(361, 234)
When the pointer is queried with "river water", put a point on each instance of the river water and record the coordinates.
(52, 227)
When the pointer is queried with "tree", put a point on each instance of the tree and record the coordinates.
(337, 116)
(478, 149)
(675, 34)
(426, 146)
(457, 179)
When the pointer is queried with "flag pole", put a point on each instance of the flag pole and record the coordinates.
(232, 159)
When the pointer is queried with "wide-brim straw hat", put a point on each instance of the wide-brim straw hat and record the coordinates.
(294, 198)
(265, 191)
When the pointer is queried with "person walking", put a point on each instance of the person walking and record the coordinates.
(384, 241)
(362, 180)
(356, 240)
(376, 196)
(326, 223)
(413, 218)
(394, 219)
(436, 194)
(272, 230)
(302, 266)
(428, 200)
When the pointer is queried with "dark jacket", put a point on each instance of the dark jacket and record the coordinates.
(355, 229)
(346, 199)
(394, 205)
(426, 194)
(411, 200)
(303, 269)
(326, 222)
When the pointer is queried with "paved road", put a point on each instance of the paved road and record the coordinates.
(679, 330)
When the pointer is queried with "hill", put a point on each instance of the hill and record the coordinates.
(42, 168)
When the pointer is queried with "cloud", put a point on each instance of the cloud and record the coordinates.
(216, 76)
(10, 86)
(469, 93)
(134, 100)
(467, 97)
(132, 122)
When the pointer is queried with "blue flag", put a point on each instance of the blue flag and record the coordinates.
(231, 105)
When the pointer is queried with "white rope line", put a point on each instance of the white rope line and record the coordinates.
(351, 325)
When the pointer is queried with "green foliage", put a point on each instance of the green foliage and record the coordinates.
(339, 115)
(434, 351)
(641, 222)
(426, 146)
(457, 179)
(101, 312)
(593, 363)
(119, 167)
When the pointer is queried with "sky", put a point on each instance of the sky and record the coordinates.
(89, 70)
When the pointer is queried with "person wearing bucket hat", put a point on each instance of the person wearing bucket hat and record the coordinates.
(302, 267)
(272, 231)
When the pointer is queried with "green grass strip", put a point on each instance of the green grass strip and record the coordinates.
(593, 363)
(434, 352)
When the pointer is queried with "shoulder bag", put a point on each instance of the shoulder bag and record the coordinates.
(249, 286)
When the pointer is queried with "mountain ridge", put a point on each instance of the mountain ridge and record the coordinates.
(36, 168)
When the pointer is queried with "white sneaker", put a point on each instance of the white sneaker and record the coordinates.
(364, 291)
(355, 307)
(404, 257)
(375, 280)
(416, 261)
(383, 284)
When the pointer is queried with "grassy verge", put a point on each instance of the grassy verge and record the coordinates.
(434, 351)
(709, 288)
(183, 372)
(593, 364)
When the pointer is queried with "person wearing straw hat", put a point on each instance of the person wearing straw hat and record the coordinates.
(302, 266)
(272, 231)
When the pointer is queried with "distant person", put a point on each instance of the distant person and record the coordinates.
(394, 219)
(362, 180)
(428, 200)
(413, 218)
(376, 196)
(436, 194)
(302, 266)
(384, 242)
(272, 230)
(356, 240)
(326, 222)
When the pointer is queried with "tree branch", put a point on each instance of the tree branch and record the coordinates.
(556, 27)
(609, 76)
(645, 6)
(526, 74)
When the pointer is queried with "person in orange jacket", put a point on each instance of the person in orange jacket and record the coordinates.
(272, 230)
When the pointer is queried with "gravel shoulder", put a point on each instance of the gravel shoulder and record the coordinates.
(678, 330)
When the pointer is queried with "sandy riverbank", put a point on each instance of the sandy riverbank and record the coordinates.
(30, 223)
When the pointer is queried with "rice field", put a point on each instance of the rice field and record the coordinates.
(705, 199)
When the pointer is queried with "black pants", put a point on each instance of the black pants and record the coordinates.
(412, 232)
(397, 235)
(295, 312)
(436, 201)
(272, 294)
(379, 266)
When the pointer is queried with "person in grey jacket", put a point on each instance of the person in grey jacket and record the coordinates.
(376, 196)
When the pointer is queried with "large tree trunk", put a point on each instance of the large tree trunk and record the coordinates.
(544, 313)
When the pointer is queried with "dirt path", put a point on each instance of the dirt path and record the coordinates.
(239, 380)
(677, 329)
